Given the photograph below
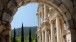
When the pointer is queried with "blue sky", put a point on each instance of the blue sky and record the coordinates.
(27, 15)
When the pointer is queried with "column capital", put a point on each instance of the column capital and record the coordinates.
(57, 15)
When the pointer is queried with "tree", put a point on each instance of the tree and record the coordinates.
(14, 38)
(22, 34)
(29, 34)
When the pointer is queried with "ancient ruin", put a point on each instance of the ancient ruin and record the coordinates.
(56, 18)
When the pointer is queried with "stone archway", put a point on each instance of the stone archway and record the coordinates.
(9, 7)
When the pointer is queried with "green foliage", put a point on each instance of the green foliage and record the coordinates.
(21, 36)
(33, 39)
(26, 39)
(16, 40)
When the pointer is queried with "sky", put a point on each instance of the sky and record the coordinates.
(26, 15)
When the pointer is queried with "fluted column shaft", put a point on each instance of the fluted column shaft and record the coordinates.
(49, 38)
(39, 38)
(44, 12)
(58, 29)
(52, 32)
(43, 36)
(46, 36)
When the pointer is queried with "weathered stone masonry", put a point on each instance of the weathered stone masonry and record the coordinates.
(8, 8)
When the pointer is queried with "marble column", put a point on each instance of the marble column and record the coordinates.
(58, 28)
(46, 36)
(44, 12)
(39, 19)
(52, 32)
(40, 39)
(49, 38)
(39, 35)
(43, 36)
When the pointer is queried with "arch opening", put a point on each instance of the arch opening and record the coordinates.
(49, 4)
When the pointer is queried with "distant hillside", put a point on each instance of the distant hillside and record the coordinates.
(26, 31)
